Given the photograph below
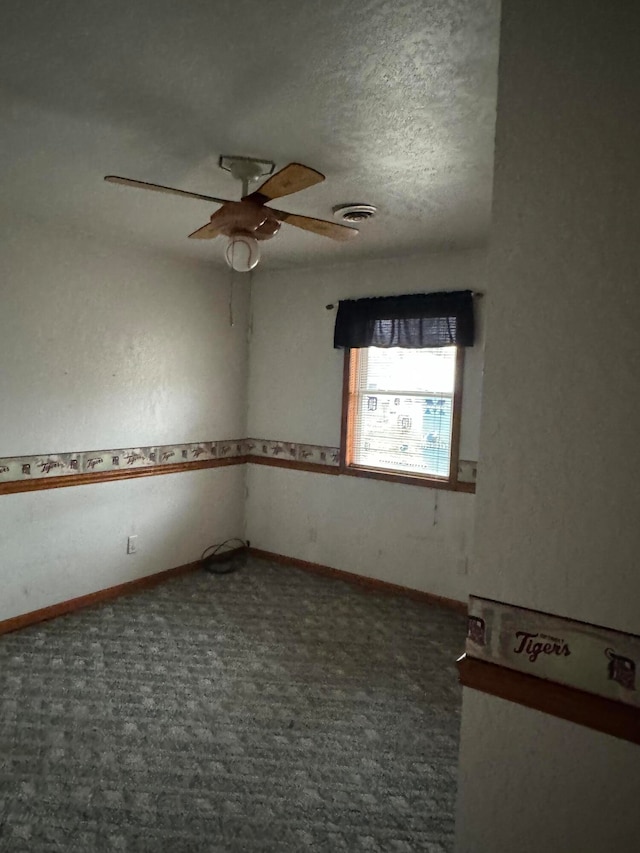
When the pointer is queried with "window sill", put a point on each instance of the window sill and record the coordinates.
(408, 479)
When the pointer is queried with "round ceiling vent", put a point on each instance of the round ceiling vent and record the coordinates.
(354, 213)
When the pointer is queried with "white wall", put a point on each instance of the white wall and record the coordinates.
(409, 535)
(418, 538)
(58, 544)
(558, 503)
(530, 782)
(295, 375)
(103, 347)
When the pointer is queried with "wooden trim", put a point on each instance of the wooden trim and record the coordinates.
(43, 483)
(38, 483)
(346, 430)
(372, 584)
(409, 480)
(92, 598)
(558, 700)
(295, 464)
(149, 581)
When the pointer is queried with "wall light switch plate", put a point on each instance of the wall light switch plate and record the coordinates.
(132, 544)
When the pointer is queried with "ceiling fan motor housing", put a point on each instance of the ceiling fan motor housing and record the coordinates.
(246, 217)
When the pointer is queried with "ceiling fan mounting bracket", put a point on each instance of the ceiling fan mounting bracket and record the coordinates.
(246, 169)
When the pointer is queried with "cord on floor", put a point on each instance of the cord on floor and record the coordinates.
(225, 557)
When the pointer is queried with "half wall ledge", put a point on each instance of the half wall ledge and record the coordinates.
(558, 700)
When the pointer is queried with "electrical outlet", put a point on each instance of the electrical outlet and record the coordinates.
(132, 544)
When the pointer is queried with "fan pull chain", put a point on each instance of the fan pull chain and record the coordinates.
(231, 272)
(249, 308)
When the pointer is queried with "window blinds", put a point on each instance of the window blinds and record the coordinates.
(403, 410)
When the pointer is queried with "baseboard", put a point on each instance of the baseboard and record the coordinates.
(149, 581)
(360, 580)
(46, 613)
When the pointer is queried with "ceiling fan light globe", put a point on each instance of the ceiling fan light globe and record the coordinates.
(242, 252)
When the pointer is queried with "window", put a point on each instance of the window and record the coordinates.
(401, 413)
(404, 358)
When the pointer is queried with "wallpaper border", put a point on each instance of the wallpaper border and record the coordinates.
(56, 470)
(574, 670)
(590, 658)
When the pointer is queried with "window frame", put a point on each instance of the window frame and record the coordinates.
(450, 483)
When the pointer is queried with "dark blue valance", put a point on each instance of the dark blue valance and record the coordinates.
(413, 321)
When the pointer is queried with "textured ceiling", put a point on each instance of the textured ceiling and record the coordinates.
(393, 101)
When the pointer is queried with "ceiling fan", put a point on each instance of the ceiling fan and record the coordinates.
(249, 220)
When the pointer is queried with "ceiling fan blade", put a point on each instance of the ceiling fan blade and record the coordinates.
(207, 232)
(143, 185)
(291, 179)
(319, 226)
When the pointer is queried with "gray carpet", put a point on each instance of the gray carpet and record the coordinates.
(265, 710)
